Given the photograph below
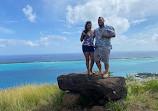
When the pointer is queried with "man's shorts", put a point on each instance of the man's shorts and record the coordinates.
(102, 55)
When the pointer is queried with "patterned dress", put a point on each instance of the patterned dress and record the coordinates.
(88, 40)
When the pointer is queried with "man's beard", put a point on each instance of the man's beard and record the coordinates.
(101, 25)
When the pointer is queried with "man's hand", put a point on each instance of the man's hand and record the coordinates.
(108, 35)
(104, 35)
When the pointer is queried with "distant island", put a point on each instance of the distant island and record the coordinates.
(146, 75)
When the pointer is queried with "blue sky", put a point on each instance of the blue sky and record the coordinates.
(51, 26)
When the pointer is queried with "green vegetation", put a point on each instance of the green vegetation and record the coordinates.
(142, 95)
(31, 97)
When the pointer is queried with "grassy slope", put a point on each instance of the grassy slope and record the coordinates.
(142, 96)
(30, 97)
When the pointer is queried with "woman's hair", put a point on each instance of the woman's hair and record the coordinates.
(86, 30)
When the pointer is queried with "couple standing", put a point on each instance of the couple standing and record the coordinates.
(101, 50)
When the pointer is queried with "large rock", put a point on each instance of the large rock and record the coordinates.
(69, 99)
(98, 108)
(94, 86)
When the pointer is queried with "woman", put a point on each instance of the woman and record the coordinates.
(87, 46)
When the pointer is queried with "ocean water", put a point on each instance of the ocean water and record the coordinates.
(20, 70)
(69, 57)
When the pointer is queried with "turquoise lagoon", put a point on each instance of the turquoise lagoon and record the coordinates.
(16, 74)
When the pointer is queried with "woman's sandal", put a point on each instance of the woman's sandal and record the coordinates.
(90, 73)
(93, 73)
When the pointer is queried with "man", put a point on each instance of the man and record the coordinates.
(103, 36)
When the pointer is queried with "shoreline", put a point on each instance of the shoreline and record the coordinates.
(76, 60)
(145, 75)
(137, 76)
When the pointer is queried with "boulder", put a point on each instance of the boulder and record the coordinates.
(98, 108)
(69, 99)
(94, 86)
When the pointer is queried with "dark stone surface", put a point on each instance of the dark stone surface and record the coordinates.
(94, 86)
(69, 99)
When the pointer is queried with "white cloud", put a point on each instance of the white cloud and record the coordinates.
(95, 8)
(56, 9)
(47, 40)
(30, 43)
(61, 20)
(135, 22)
(117, 13)
(137, 42)
(66, 32)
(155, 37)
(2, 46)
(120, 14)
(120, 24)
(13, 21)
(7, 42)
(28, 11)
(151, 28)
(5, 30)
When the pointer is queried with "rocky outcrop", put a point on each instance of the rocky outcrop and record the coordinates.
(94, 87)
(70, 99)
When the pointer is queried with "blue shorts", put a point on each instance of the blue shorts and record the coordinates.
(87, 48)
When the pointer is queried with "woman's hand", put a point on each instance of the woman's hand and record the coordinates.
(82, 36)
